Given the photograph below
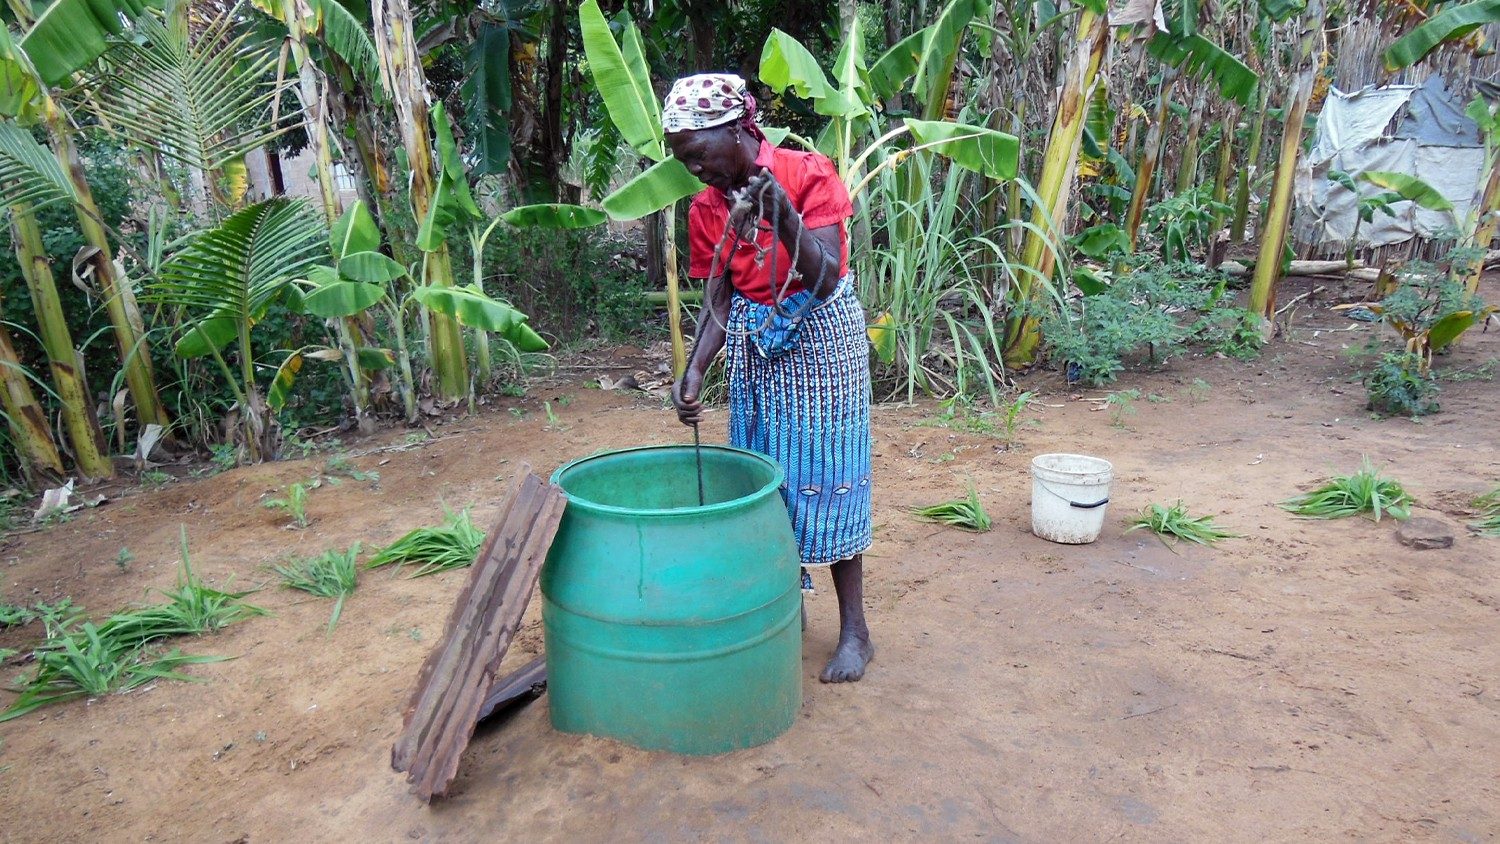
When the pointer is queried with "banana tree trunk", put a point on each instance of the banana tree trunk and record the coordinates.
(40, 461)
(1486, 222)
(1145, 169)
(1187, 169)
(1055, 187)
(406, 84)
(52, 326)
(1279, 210)
(114, 288)
(1250, 166)
(1226, 165)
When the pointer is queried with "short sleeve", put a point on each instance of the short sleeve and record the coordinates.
(824, 199)
(701, 241)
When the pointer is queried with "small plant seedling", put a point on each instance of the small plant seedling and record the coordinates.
(1175, 522)
(1121, 403)
(416, 437)
(1483, 372)
(967, 513)
(1198, 390)
(332, 574)
(453, 544)
(1158, 398)
(1488, 523)
(514, 391)
(155, 479)
(564, 401)
(1364, 491)
(294, 504)
(224, 457)
(518, 412)
(554, 422)
(1400, 386)
(1012, 414)
(123, 560)
(340, 464)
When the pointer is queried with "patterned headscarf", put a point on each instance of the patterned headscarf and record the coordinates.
(707, 100)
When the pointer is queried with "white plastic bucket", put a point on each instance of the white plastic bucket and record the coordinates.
(1068, 497)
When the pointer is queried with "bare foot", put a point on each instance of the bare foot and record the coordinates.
(847, 665)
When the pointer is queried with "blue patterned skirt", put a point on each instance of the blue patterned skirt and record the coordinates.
(809, 410)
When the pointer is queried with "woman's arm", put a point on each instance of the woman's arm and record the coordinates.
(707, 341)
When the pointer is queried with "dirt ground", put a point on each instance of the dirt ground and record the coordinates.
(1311, 681)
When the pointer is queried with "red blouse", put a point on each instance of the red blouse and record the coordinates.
(814, 187)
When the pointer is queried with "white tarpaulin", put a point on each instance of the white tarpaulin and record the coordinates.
(1417, 130)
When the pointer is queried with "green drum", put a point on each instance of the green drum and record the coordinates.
(669, 625)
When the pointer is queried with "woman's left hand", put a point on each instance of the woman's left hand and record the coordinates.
(764, 200)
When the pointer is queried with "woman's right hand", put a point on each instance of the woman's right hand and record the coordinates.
(685, 396)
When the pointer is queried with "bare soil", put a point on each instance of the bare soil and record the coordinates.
(1311, 681)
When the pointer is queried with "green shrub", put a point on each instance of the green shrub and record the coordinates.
(579, 283)
(1397, 386)
(1153, 309)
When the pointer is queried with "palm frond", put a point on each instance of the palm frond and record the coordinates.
(29, 172)
(239, 267)
(1197, 56)
(199, 99)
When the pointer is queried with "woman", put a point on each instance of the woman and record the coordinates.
(767, 237)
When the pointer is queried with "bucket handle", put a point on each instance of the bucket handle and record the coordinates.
(1071, 503)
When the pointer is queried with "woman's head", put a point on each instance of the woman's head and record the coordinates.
(709, 120)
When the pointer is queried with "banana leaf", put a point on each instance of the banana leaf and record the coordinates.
(487, 97)
(623, 82)
(785, 63)
(281, 385)
(333, 297)
(472, 308)
(1409, 187)
(1203, 59)
(554, 216)
(70, 35)
(939, 55)
(371, 268)
(663, 184)
(451, 201)
(889, 73)
(353, 232)
(985, 151)
(1450, 24)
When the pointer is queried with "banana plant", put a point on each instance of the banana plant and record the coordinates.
(363, 278)
(1456, 21)
(225, 280)
(66, 37)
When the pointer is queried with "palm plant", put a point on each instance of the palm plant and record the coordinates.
(226, 279)
(200, 96)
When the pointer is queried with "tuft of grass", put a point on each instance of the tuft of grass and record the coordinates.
(452, 545)
(1364, 491)
(1175, 522)
(191, 608)
(294, 504)
(332, 574)
(87, 660)
(967, 513)
(124, 559)
(1488, 523)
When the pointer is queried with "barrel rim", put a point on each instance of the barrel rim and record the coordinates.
(772, 487)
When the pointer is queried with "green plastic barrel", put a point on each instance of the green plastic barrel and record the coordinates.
(669, 625)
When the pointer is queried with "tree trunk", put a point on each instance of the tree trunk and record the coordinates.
(1145, 169)
(1279, 210)
(1486, 222)
(401, 70)
(1248, 169)
(89, 450)
(1226, 164)
(114, 288)
(40, 462)
(1055, 187)
(1187, 169)
(554, 150)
